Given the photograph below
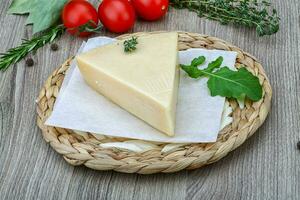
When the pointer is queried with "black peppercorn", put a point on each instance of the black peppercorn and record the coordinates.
(54, 47)
(298, 145)
(29, 62)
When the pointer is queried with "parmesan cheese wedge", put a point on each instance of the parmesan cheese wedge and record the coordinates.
(144, 82)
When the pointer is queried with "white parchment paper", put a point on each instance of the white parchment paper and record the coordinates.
(198, 115)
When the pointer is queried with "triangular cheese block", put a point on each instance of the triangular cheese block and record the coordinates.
(143, 82)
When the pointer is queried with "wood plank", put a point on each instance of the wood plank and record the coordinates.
(265, 167)
(89, 184)
(6, 115)
(11, 23)
(161, 186)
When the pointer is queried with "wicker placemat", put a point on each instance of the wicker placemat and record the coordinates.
(87, 149)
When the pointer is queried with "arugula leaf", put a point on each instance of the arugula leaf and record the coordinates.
(214, 64)
(234, 84)
(42, 13)
(198, 61)
(225, 82)
(192, 69)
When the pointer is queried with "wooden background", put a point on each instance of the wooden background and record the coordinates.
(267, 166)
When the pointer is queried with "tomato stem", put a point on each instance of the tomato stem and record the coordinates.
(90, 27)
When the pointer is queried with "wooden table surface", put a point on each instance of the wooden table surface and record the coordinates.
(267, 166)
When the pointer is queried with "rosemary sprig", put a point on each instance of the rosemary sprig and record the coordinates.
(15, 54)
(249, 13)
(130, 44)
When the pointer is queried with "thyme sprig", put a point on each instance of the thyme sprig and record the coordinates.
(15, 54)
(250, 13)
(130, 44)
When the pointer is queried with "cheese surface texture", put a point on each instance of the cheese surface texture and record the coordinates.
(143, 82)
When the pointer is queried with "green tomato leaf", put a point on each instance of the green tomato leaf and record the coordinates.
(42, 13)
(234, 84)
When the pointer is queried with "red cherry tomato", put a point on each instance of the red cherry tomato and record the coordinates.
(78, 13)
(116, 15)
(150, 9)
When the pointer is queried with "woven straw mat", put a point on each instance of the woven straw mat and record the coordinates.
(81, 148)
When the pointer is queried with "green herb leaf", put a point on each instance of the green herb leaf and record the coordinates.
(234, 84)
(42, 13)
(225, 82)
(214, 64)
(130, 44)
(198, 61)
(192, 71)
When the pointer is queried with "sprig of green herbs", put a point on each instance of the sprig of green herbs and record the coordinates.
(225, 82)
(13, 55)
(130, 44)
(249, 13)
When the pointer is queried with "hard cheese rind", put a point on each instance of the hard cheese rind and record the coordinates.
(143, 82)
